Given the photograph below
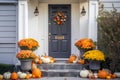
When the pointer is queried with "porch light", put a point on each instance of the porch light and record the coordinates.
(83, 12)
(36, 12)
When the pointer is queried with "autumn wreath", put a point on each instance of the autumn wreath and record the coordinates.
(60, 18)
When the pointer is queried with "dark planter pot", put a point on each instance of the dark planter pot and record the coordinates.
(94, 66)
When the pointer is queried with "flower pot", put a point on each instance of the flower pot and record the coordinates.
(94, 65)
(26, 64)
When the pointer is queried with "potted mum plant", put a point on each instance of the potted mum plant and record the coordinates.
(26, 57)
(95, 57)
(84, 45)
(28, 44)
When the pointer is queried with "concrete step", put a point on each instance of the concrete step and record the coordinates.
(61, 69)
(61, 73)
(61, 66)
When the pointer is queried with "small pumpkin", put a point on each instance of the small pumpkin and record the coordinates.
(84, 73)
(22, 75)
(7, 75)
(14, 75)
(81, 61)
(113, 76)
(102, 73)
(1, 77)
(28, 76)
(72, 58)
(40, 61)
(37, 72)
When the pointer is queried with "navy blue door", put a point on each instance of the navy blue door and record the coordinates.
(59, 31)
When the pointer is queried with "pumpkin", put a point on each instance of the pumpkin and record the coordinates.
(40, 61)
(72, 58)
(14, 75)
(84, 73)
(113, 76)
(36, 72)
(28, 76)
(7, 75)
(34, 65)
(108, 77)
(45, 59)
(81, 61)
(102, 73)
(22, 75)
(1, 77)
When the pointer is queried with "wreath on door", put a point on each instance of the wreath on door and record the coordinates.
(60, 18)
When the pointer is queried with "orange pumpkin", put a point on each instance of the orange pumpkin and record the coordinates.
(37, 72)
(40, 61)
(72, 58)
(81, 61)
(102, 73)
(14, 76)
(113, 76)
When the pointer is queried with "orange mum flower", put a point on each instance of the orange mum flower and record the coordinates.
(85, 44)
(28, 44)
(25, 54)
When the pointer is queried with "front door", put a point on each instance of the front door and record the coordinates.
(59, 31)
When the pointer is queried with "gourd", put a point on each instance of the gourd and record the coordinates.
(81, 61)
(84, 73)
(113, 76)
(36, 72)
(45, 59)
(72, 58)
(28, 76)
(14, 75)
(102, 73)
(22, 75)
(7, 75)
(1, 77)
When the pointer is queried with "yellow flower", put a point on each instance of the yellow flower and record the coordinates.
(94, 55)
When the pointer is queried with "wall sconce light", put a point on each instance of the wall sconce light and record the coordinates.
(83, 12)
(36, 12)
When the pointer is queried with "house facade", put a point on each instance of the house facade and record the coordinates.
(18, 21)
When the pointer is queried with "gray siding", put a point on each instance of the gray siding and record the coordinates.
(108, 4)
(8, 32)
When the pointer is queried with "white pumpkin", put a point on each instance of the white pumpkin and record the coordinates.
(7, 75)
(45, 60)
(22, 75)
(19, 72)
(84, 73)
(118, 74)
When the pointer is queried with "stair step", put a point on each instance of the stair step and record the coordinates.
(61, 73)
(62, 66)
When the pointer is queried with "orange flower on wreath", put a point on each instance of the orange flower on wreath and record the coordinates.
(85, 43)
(28, 44)
(59, 18)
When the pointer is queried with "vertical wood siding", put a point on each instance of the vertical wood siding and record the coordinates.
(8, 32)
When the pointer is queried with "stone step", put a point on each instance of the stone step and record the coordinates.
(61, 73)
(62, 66)
(61, 69)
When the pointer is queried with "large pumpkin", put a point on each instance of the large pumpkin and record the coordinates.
(36, 72)
(102, 73)
(14, 76)
(72, 58)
